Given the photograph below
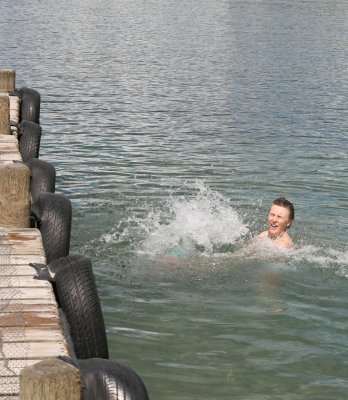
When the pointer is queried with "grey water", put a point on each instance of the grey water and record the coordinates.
(174, 124)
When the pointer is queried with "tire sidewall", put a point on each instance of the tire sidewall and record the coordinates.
(53, 213)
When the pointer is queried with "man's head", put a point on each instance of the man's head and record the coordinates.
(282, 202)
(280, 217)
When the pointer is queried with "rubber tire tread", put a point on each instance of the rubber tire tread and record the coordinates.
(110, 380)
(43, 178)
(30, 105)
(53, 212)
(29, 140)
(78, 297)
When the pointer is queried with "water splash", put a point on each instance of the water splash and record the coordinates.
(203, 223)
(199, 224)
(326, 259)
(304, 256)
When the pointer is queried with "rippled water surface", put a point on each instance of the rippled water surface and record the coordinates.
(172, 126)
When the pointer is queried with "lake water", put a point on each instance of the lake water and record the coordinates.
(172, 126)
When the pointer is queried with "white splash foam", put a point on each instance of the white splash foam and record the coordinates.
(201, 223)
(322, 258)
(194, 224)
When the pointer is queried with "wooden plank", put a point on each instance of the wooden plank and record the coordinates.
(32, 350)
(15, 235)
(20, 269)
(13, 367)
(8, 139)
(33, 334)
(29, 319)
(9, 386)
(41, 293)
(9, 281)
(9, 150)
(7, 158)
(14, 108)
(18, 306)
(18, 234)
(21, 241)
(18, 260)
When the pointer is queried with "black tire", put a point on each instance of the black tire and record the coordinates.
(109, 380)
(43, 178)
(29, 140)
(53, 214)
(78, 297)
(30, 105)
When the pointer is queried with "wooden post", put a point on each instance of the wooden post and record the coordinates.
(14, 195)
(51, 379)
(7, 80)
(5, 128)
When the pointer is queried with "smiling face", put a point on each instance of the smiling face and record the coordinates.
(278, 221)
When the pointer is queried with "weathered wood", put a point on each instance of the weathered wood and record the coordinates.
(8, 158)
(14, 367)
(14, 195)
(9, 149)
(18, 267)
(5, 128)
(30, 322)
(32, 334)
(8, 139)
(14, 114)
(13, 234)
(51, 379)
(32, 350)
(29, 319)
(7, 80)
(43, 293)
(26, 249)
(30, 305)
(10, 386)
(21, 259)
(21, 241)
(27, 281)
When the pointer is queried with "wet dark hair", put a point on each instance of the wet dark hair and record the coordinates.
(283, 202)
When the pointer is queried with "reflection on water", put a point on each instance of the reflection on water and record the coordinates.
(173, 125)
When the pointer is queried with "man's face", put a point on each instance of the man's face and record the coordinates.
(278, 221)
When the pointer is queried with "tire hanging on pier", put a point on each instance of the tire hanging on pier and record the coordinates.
(42, 178)
(53, 215)
(29, 135)
(77, 296)
(110, 380)
(30, 104)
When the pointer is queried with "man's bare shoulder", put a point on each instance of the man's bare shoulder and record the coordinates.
(286, 242)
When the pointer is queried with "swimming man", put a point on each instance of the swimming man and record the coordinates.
(280, 218)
